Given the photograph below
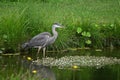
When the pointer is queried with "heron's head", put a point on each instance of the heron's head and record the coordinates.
(57, 25)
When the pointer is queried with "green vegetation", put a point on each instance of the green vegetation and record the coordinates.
(89, 23)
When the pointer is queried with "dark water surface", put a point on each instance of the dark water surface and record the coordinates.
(11, 65)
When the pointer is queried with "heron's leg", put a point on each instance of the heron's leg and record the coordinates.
(38, 51)
(44, 52)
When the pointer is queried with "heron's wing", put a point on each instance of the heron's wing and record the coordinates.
(40, 39)
(41, 35)
(45, 33)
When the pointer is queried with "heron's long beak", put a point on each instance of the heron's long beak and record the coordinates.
(62, 27)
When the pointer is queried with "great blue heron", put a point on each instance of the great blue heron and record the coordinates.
(43, 39)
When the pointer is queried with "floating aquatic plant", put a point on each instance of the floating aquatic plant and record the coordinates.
(75, 61)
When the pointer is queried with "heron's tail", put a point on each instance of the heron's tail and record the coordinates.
(25, 46)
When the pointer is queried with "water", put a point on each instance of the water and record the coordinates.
(109, 68)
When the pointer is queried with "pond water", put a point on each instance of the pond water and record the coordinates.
(70, 65)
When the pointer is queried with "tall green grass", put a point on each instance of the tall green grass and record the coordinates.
(20, 20)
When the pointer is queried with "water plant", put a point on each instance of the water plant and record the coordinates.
(84, 36)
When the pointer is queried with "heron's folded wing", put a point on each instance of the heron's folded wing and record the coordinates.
(40, 39)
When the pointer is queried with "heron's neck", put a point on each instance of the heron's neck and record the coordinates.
(55, 34)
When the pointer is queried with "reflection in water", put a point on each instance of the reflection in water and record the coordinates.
(107, 73)
(10, 66)
(38, 70)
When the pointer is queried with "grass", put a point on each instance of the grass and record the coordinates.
(22, 19)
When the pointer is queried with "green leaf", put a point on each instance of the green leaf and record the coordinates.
(96, 25)
(79, 30)
(112, 25)
(5, 36)
(88, 42)
(86, 34)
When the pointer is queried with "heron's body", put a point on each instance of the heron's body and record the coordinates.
(42, 40)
